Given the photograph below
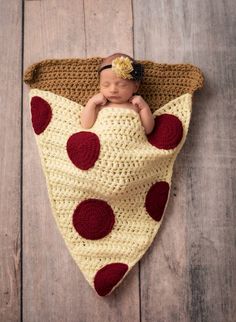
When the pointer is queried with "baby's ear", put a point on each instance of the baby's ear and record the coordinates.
(137, 84)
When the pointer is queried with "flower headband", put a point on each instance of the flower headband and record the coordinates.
(123, 67)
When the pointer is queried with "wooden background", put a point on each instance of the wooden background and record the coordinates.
(189, 272)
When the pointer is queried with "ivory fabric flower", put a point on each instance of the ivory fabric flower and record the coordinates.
(122, 67)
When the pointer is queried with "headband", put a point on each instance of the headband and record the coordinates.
(123, 67)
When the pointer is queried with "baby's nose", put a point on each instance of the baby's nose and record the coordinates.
(113, 89)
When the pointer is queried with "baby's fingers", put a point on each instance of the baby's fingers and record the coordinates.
(131, 99)
(104, 101)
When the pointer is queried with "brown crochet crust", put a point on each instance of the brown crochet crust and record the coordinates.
(77, 79)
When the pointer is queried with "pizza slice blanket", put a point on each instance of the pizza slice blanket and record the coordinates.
(109, 185)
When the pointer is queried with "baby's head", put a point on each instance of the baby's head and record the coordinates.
(119, 77)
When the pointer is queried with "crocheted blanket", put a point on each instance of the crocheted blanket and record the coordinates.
(109, 185)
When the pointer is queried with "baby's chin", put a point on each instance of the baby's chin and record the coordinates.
(116, 100)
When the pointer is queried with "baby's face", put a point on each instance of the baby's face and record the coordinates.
(115, 89)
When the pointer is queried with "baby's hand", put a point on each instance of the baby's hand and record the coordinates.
(138, 101)
(98, 99)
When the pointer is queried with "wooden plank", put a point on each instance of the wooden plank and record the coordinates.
(108, 27)
(10, 139)
(52, 282)
(54, 288)
(108, 30)
(189, 272)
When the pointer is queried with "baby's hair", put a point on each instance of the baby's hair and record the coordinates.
(108, 60)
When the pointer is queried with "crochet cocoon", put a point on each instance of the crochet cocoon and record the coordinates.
(109, 185)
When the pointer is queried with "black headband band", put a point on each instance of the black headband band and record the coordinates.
(137, 72)
(104, 67)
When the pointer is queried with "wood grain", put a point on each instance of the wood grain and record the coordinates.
(189, 275)
(51, 280)
(53, 284)
(10, 142)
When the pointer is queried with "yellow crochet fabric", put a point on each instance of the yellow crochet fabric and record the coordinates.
(124, 175)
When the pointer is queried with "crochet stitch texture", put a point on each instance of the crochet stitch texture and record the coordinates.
(109, 185)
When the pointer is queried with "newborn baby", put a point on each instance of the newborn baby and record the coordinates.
(119, 79)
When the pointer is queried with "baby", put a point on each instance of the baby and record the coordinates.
(119, 79)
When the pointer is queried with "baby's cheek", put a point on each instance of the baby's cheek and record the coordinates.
(104, 92)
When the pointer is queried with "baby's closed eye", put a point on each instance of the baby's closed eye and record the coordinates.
(105, 84)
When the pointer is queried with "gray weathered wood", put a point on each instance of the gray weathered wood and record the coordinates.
(51, 280)
(189, 273)
(54, 288)
(10, 142)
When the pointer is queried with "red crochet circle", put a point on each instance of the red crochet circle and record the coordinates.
(41, 114)
(83, 149)
(167, 132)
(108, 276)
(93, 219)
(156, 199)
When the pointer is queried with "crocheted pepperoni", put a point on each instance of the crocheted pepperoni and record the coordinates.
(167, 132)
(41, 114)
(108, 276)
(83, 149)
(93, 219)
(156, 199)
